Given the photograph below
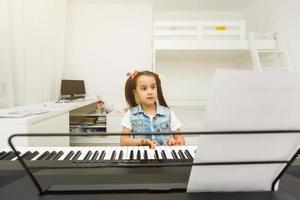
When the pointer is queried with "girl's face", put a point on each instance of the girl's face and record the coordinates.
(146, 90)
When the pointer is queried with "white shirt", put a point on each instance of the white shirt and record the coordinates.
(174, 124)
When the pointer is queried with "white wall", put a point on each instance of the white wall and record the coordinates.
(190, 78)
(106, 40)
(277, 15)
(262, 15)
(289, 22)
(197, 15)
(201, 5)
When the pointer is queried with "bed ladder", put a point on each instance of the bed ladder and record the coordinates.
(276, 50)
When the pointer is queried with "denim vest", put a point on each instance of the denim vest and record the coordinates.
(141, 123)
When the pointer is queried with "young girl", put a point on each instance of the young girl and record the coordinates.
(148, 113)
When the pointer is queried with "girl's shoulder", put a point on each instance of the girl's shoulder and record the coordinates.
(163, 110)
(136, 109)
(127, 114)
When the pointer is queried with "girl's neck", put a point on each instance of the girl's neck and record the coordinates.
(149, 109)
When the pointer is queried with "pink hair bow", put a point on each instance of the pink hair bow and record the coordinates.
(132, 75)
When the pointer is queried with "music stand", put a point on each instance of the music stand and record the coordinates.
(63, 189)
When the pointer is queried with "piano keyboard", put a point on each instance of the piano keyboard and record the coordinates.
(109, 153)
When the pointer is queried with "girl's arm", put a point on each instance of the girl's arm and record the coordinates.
(177, 139)
(127, 140)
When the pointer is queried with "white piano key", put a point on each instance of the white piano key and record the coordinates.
(141, 149)
(162, 148)
(93, 150)
(118, 150)
(151, 153)
(124, 149)
(101, 150)
(158, 149)
(192, 150)
(135, 150)
(82, 155)
(108, 152)
(176, 149)
(146, 148)
(167, 151)
(129, 149)
(183, 148)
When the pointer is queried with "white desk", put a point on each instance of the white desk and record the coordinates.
(54, 121)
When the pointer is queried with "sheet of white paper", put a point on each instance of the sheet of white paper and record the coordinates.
(240, 148)
(247, 100)
(250, 100)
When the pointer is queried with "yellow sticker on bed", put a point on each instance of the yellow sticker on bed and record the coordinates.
(220, 28)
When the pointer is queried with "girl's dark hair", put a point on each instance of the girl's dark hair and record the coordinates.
(130, 86)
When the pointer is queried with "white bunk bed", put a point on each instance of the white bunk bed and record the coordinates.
(205, 35)
(171, 35)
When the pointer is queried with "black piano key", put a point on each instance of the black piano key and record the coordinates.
(58, 155)
(131, 155)
(138, 156)
(163, 154)
(25, 155)
(113, 155)
(2, 153)
(43, 156)
(69, 156)
(5, 155)
(95, 155)
(33, 155)
(156, 155)
(88, 155)
(9, 156)
(102, 155)
(145, 155)
(13, 155)
(174, 154)
(188, 154)
(51, 155)
(120, 155)
(181, 154)
(78, 153)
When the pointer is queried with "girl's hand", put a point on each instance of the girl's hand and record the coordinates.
(150, 143)
(173, 142)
